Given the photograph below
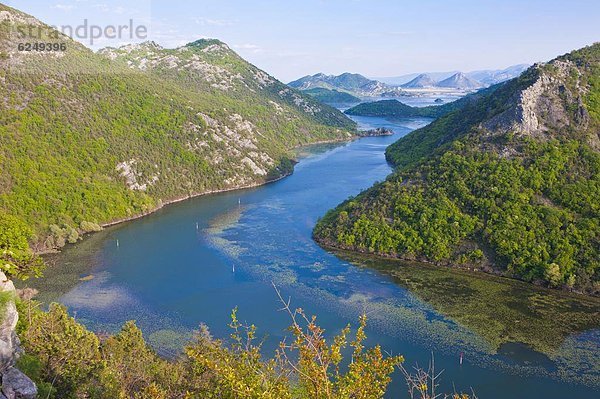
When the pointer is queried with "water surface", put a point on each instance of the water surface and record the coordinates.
(194, 261)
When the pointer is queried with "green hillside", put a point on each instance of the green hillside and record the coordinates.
(331, 96)
(90, 138)
(509, 184)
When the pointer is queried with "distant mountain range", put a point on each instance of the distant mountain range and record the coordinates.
(485, 77)
(360, 86)
(458, 81)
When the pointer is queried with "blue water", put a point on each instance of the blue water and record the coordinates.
(194, 261)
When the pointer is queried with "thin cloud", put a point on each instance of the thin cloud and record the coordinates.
(63, 7)
(253, 48)
(212, 22)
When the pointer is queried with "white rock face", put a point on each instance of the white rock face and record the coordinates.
(16, 17)
(132, 176)
(299, 101)
(239, 141)
(8, 340)
(542, 107)
(15, 384)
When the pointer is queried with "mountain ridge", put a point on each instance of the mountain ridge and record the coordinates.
(488, 77)
(508, 184)
(421, 81)
(90, 138)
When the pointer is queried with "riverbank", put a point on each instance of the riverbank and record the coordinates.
(40, 250)
(467, 267)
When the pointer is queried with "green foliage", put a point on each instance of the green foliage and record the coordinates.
(68, 361)
(16, 258)
(526, 211)
(331, 96)
(464, 193)
(33, 368)
(69, 352)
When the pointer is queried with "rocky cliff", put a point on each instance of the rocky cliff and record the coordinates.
(15, 384)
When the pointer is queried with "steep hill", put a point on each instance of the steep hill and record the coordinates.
(510, 183)
(421, 81)
(90, 138)
(460, 81)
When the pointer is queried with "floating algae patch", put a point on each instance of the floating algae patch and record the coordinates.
(214, 233)
(404, 318)
(228, 219)
(559, 327)
(411, 319)
(65, 270)
(498, 309)
(579, 355)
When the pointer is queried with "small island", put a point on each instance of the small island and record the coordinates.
(380, 131)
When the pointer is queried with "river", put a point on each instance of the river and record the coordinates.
(192, 262)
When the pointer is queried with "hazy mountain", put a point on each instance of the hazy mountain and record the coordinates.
(421, 81)
(486, 77)
(460, 81)
(352, 83)
(491, 77)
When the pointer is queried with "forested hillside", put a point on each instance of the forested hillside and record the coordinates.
(510, 183)
(90, 138)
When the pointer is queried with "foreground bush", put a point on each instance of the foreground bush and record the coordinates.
(68, 361)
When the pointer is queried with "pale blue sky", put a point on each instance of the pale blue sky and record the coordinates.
(290, 39)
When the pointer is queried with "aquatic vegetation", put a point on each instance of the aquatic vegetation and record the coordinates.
(498, 309)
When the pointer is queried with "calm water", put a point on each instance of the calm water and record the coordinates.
(173, 270)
